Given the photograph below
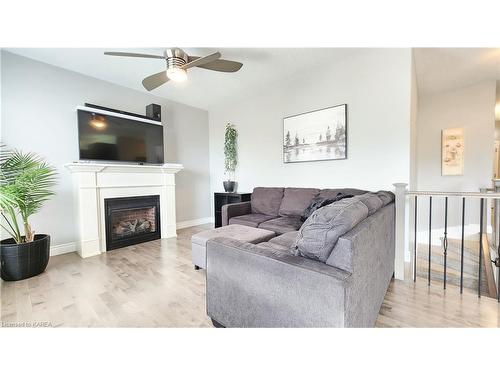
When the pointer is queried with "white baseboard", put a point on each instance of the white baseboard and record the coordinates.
(71, 247)
(64, 248)
(192, 223)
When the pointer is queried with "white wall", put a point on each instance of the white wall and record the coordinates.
(38, 114)
(471, 108)
(413, 126)
(375, 85)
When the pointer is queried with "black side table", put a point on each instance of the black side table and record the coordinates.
(220, 199)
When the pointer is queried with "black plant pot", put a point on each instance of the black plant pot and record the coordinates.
(229, 186)
(24, 260)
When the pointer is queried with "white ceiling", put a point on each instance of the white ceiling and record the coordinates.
(441, 69)
(437, 69)
(204, 88)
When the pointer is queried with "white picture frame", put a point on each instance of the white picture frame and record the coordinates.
(452, 152)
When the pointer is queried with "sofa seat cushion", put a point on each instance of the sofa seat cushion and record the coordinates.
(282, 224)
(319, 234)
(250, 220)
(266, 200)
(296, 200)
(287, 240)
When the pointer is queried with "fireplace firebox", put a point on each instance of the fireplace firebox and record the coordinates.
(131, 220)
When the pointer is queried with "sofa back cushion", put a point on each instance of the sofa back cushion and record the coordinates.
(332, 193)
(386, 196)
(372, 201)
(266, 200)
(319, 234)
(296, 200)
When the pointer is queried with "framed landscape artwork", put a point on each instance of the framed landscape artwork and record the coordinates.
(316, 135)
(452, 152)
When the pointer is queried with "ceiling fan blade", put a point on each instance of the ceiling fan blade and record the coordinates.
(155, 80)
(127, 54)
(201, 60)
(226, 66)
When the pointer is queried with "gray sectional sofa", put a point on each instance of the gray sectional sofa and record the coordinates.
(332, 270)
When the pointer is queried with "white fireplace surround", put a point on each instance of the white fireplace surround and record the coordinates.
(94, 182)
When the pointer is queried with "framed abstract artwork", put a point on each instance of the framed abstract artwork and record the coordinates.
(452, 152)
(316, 135)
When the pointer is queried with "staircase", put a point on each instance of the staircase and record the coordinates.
(475, 271)
(470, 271)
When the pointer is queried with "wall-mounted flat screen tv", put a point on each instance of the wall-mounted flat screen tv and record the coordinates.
(106, 136)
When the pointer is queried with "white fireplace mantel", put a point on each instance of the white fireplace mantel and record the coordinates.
(95, 182)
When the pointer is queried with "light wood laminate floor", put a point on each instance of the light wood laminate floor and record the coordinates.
(155, 285)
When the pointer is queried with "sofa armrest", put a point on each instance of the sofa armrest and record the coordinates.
(373, 246)
(235, 209)
(253, 286)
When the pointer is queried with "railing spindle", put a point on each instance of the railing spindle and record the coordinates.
(497, 264)
(480, 247)
(462, 249)
(445, 240)
(415, 245)
(498, 281)
(430, 240)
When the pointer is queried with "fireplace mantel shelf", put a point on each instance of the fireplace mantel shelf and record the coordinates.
(123, 168)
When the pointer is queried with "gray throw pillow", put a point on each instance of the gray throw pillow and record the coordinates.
(321, 231)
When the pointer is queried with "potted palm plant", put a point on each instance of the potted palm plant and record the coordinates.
(230, 157)
(26, 182)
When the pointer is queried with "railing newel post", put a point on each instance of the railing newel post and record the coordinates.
(400, 228)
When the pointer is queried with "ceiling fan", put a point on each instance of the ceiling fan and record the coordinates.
(178, 62)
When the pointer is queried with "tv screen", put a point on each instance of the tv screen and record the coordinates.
(105, 137)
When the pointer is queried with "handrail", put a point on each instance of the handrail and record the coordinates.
(471, 194)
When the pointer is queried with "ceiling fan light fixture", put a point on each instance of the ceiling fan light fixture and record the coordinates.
(176, 74)
(178, 62)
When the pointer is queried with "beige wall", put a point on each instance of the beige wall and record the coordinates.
(39, 114)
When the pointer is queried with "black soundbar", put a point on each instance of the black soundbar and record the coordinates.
(118, 111)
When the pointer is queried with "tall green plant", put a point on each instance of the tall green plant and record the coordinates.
(26, 182)
(230, 153)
